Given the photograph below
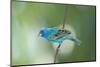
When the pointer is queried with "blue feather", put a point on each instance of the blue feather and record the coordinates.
(56, 35)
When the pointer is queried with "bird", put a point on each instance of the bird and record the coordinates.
(57, 35)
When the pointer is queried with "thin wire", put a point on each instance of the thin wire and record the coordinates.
(65, 15)
(57, 50)
(63, 27)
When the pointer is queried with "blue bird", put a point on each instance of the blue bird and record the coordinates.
(56, 35)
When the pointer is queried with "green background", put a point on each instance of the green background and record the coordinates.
(29, 17)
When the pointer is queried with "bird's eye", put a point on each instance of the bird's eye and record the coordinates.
(41, 31)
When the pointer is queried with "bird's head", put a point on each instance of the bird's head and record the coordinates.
(44, 32)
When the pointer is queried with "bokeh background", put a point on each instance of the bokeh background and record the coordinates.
(29, 17)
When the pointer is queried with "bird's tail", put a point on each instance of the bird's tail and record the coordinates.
(76, 41)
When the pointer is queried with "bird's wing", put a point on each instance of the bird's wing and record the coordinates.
(59, 34)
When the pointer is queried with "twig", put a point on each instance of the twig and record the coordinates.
(64, 17)
(63, 27)
(57, 50)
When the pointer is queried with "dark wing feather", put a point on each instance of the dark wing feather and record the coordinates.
(60, 34)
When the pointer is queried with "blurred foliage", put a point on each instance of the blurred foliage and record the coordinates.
(29, 17)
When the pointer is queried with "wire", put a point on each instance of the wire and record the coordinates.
(65, 16)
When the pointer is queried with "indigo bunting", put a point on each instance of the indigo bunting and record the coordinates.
(56, 35)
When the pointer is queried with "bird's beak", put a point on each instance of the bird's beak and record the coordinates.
(39, 34)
